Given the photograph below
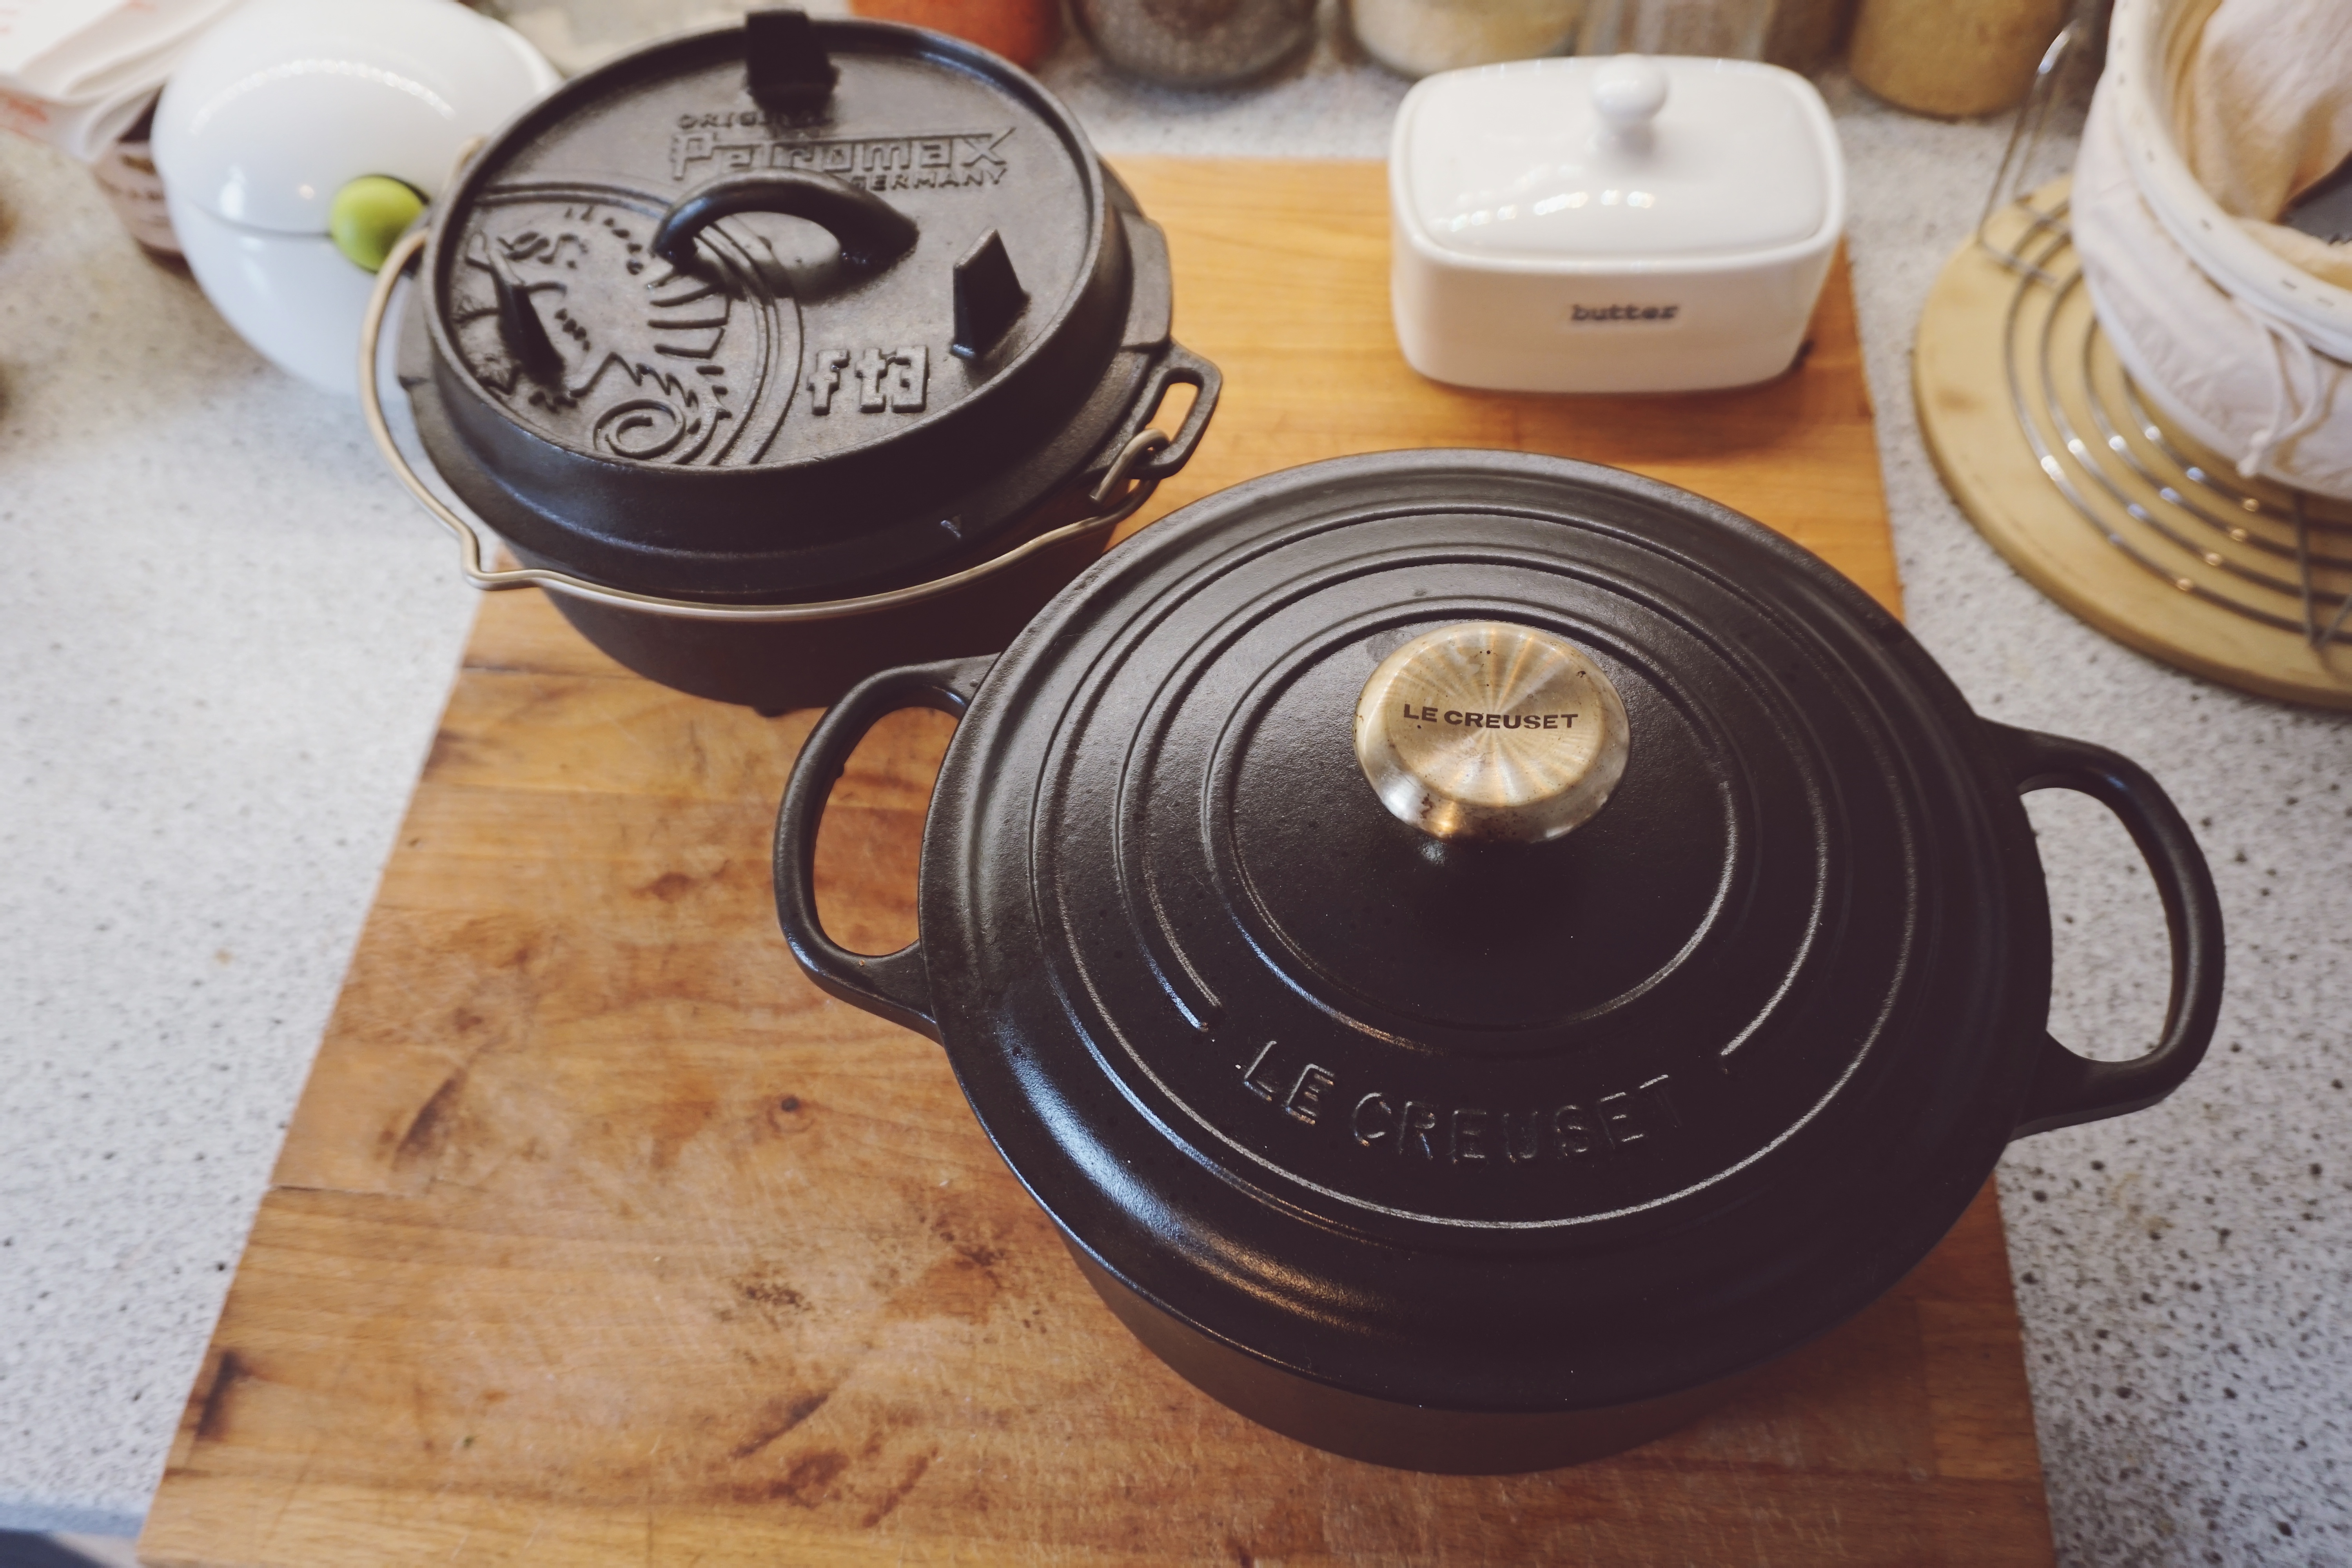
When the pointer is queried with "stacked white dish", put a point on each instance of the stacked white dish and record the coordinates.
(278, 108)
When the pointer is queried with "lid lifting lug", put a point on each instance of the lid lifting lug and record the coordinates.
(988, 297)
(519, 328)
(787, 69)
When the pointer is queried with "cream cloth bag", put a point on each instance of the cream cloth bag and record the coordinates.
(2212, 119)
(2263, 108)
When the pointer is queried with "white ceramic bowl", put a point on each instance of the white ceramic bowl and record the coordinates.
(1626, 225)
(283, 104)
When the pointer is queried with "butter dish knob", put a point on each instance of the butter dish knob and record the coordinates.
(1629, 92)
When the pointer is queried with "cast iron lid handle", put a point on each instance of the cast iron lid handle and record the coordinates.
(2068, 1089)
(896, 985)
(871, 232)
(1491, 730)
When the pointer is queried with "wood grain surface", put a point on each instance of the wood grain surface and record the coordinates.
(601, 1236)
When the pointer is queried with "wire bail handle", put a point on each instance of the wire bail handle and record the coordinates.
(1128, 467)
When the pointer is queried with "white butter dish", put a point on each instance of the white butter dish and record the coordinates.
(1626, 225)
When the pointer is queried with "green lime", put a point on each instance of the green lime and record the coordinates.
(366, 217)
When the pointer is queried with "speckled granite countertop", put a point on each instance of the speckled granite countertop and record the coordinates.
(226, 639)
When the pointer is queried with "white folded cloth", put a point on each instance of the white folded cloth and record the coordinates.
(2262, 108)
(2219, 369)
(76, 73)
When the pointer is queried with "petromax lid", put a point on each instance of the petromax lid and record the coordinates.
(771, 244)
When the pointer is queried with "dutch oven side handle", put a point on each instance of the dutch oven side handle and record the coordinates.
(896, 985)
(1176, 366)
(2068, 1089)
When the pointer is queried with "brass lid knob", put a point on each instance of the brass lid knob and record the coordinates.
(1491, 730)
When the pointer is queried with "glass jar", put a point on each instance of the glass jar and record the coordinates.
(1419, 38)
(1712, 29)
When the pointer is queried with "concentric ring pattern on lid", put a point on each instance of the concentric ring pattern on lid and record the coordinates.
(1476, 1034)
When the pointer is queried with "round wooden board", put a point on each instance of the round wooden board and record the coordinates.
(2151, 586)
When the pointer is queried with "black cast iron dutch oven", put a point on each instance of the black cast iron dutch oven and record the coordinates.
(775, 347)
(1477, 951)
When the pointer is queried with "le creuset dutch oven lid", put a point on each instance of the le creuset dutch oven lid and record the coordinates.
(786, 308)
(1647, 1035)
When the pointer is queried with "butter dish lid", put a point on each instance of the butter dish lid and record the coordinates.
(1619, 161)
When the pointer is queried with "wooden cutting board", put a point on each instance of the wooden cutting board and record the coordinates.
(600, 1235)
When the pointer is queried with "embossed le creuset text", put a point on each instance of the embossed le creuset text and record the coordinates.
(1426, 714)
(1385, 1121)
